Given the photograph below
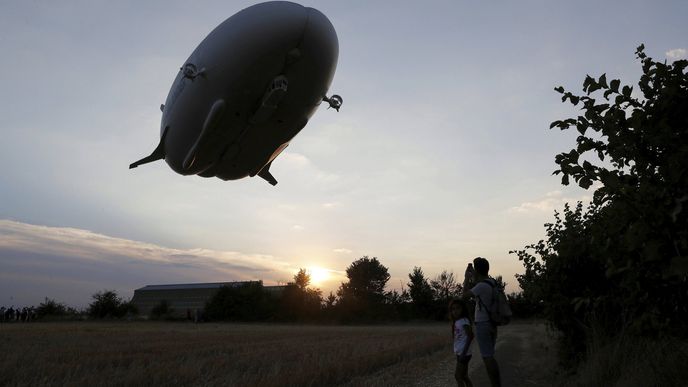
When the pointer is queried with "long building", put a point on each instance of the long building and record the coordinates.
(185, 299)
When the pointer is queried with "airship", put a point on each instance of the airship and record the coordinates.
(248, 88)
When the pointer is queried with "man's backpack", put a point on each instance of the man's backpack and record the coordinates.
(500, 312)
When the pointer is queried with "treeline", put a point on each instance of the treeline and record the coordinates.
(617, 270)
(362, 298)
(106, 304)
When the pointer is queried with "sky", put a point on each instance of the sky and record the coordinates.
(440, 153)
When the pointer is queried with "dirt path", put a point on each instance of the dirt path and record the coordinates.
(525, 355)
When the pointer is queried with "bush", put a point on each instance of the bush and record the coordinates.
(107, 304)
(50, 307)
(620, 265)
(246, 302)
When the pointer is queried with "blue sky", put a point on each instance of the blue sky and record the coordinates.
(440, 153)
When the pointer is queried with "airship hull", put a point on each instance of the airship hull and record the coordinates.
(248, 88)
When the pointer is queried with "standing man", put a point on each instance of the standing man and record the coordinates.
(485, 330)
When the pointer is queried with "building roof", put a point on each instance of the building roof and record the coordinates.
(207, 285)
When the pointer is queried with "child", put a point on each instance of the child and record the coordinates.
(463, 336)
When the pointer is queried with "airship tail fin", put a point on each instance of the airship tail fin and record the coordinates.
(158, 153)
(265, 174)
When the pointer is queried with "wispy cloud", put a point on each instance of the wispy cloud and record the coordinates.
(42, 255)
(677, 53)
(297, 161)
(553, 200)
(342, 251)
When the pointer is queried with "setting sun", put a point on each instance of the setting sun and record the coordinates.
(318, 275)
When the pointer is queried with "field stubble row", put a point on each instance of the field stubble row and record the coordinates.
(207, 354)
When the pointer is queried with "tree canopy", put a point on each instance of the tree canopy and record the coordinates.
(612, 267)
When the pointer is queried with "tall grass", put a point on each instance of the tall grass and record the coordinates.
(633, 361)
(123, 354)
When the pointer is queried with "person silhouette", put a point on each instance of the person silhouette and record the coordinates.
(485, 330)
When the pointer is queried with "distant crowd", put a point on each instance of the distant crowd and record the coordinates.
(12, 314)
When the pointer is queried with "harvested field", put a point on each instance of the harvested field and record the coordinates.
(146, 353)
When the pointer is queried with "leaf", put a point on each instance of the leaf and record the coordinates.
(587, 82)
(626, 91)
(603, 81)
(582, 127)
(559, 89)
(585, 182)
(614, 85)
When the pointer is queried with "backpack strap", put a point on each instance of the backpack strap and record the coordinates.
(490, 282)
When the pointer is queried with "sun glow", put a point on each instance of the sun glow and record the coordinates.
(318, 275)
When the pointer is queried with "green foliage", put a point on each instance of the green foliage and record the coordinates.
(445, 288)
(107, 304)
(524, 307)
(621, 264)
(299, 301)
(421, 293)
(302, 279)
(247, 302)
(50, 307)
(398, 305)
(365, 290)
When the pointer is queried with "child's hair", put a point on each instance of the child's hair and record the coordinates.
(464, 309)
(464, 312)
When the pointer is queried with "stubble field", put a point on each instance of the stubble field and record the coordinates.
(146, 353)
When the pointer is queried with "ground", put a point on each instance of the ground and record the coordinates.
(163, 353)
(525, 352)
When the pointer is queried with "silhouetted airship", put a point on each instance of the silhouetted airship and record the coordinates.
(247, 89)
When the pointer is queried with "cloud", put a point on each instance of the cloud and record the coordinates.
(552, 201)
(292, 162)
(677, 53)
(41, 260)
(342, 251)
(295, 159)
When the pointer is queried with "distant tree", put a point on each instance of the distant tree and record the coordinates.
(107, 304)
(246, 302)
(302, 279)
(445, 288)
(420, 293)
(365, 289)
(330, 301)
(500, 282)
(50, 307)
(395, 297)
(610, 268)
(398, 305)
(523, 307)
(299, 301)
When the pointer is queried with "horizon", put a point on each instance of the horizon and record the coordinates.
(440, 153)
